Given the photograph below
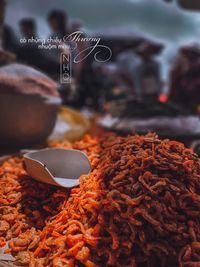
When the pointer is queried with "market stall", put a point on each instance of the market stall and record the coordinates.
(103, 171)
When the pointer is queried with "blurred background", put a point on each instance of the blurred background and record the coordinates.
(151, 81)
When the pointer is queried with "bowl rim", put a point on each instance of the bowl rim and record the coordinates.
(48, 99)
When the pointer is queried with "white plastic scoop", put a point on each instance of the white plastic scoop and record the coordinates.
(57, 166)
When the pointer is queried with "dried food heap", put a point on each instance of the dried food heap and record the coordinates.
(23, 80)
(140, 207)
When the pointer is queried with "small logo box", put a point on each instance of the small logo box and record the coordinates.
(65, 68)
